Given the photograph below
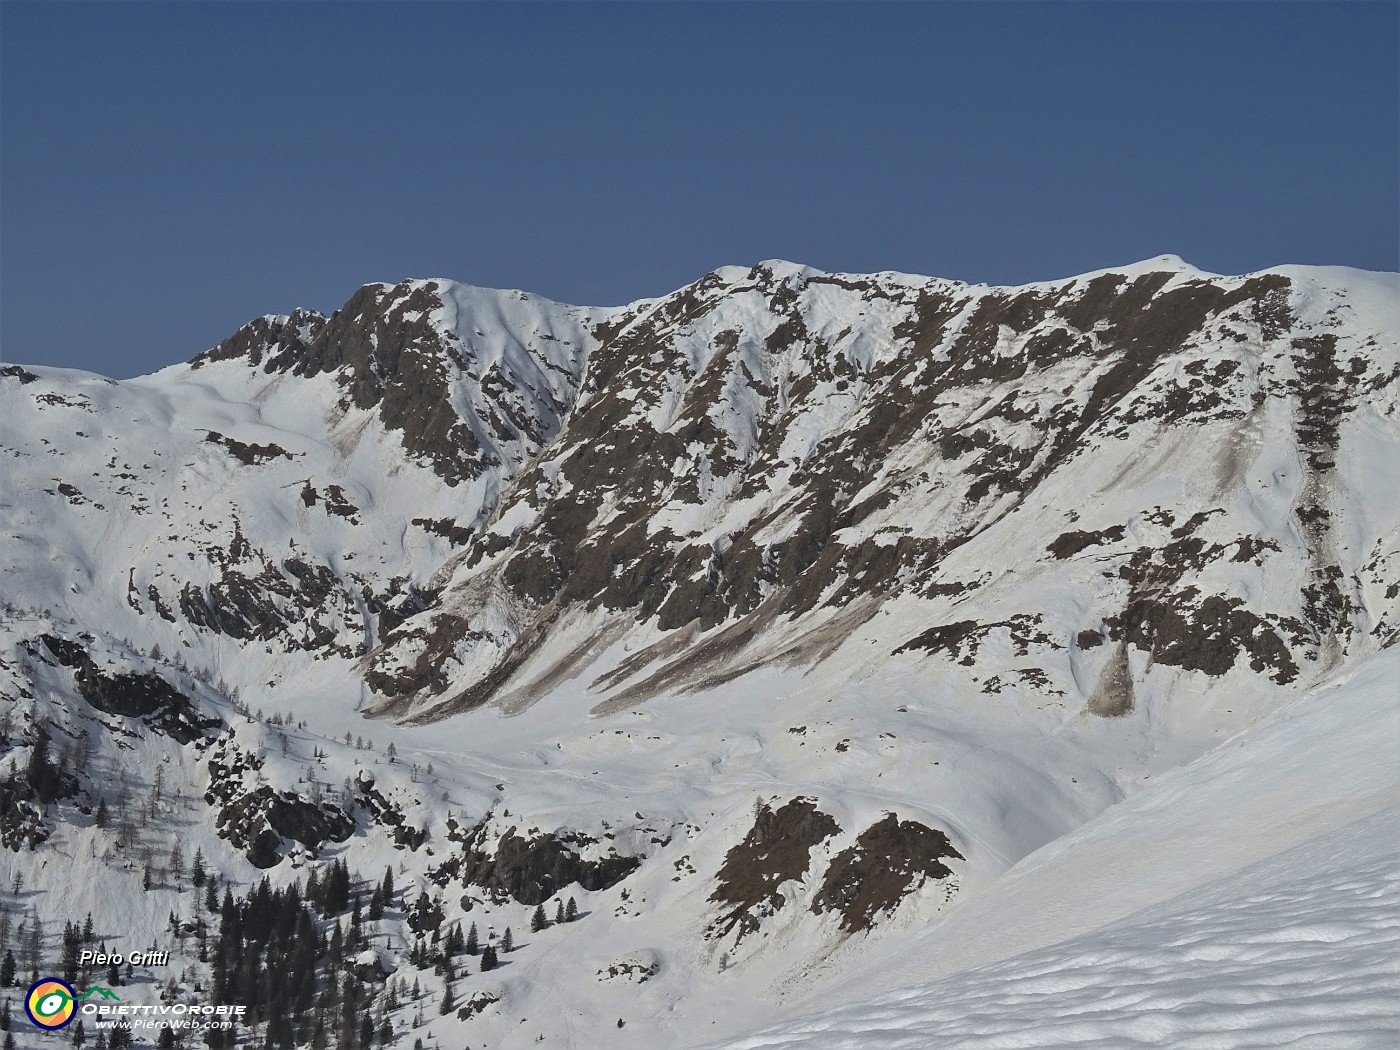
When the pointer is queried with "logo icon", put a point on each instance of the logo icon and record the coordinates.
(50, 1003)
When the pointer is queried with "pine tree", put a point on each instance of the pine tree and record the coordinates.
(41, 774)
(537, 920)
(386, 1033)
(559, 911)
(7, 971)
(32, 945)
(102, 819)
(507, 943)
(386, 888)
(472, 944)
(571, 910)
(488, 958)
(79, 1033)
(197, 869)
(71, 938)
(449, 1001)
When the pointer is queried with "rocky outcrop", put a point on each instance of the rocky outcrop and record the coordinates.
(531, 869)
(777, 850)
(149, 697)
(738, 400)
(890, 860)
(262, 821)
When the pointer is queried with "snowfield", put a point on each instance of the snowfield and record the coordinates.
(874, 660)
(1250, 899)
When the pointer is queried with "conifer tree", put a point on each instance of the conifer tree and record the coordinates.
(571, 910)
(537, 920)
(449, 1001)
(472, 944)
(32, 945)
(7, 973)
(71, 937)
(197, 869)
(507, 943)
(559, 911)
(488, 958)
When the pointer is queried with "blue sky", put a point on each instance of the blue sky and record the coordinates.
(169, 171)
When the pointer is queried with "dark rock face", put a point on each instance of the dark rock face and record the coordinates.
(271, 338)
(148, 697)
(1069, 544)
(24, 376)
(776, 850)
(26, 794)
(296, 602)
(655, 429)
(815, 416)
(22, 823)
(248, 455)
(964, 638)
(389, 816)
(889, 861)
(530, 870)
(261, 821)
(386, 352)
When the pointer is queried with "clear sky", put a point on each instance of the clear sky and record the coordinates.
(169, 171)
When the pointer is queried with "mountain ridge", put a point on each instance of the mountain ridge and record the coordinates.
(871, 566)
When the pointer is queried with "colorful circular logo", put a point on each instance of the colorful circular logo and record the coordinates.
(50, 1003)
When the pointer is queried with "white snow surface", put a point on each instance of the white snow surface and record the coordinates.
(1248, 899)
(1216, 868)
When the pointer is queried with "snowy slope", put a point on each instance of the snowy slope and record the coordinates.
(1250, 898)
(817, 633)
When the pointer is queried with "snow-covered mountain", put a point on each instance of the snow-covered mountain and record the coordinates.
(783, 622)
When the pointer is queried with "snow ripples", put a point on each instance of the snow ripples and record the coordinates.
(1299, 951)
